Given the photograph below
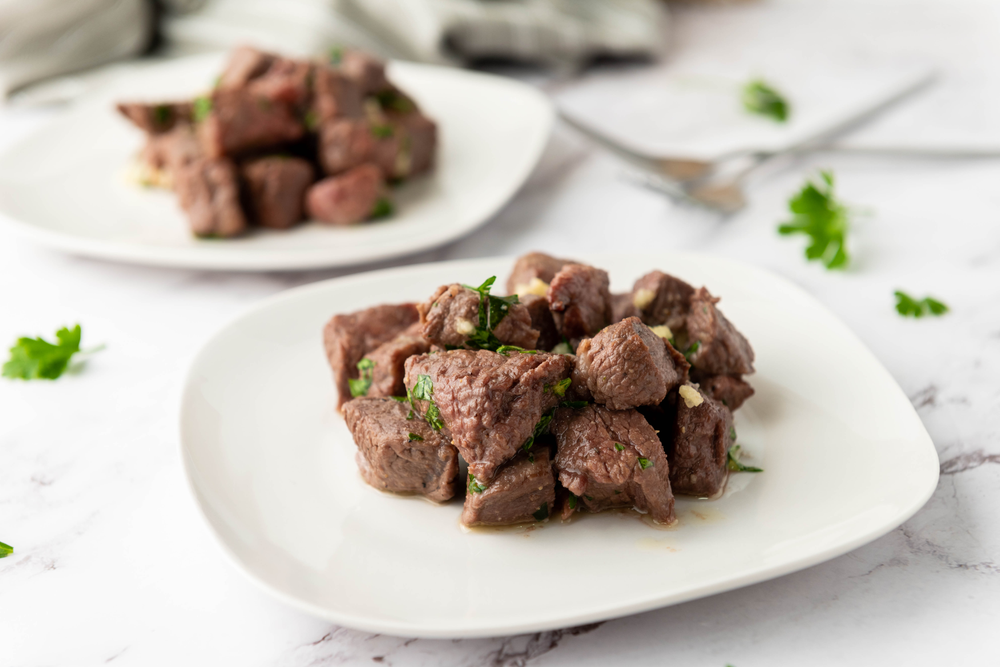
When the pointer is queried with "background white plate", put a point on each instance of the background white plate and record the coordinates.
(272, 467)
(65, 187)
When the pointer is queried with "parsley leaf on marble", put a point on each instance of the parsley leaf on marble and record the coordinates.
(762, 99)
(5, 550)
(734, 461)
(818, 215)
(361, 386)
(907, 306)
(38, 359)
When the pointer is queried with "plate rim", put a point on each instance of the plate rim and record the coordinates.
(278, 259)
(480, 629)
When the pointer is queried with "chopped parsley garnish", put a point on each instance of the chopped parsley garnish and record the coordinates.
(474, 486)
(543, 512)
(310, 120)
(361, 386)
(907, 306)
(762, 99)
(423, 390)
(559, 388)
(5, 550)
(38, 359)
(588, 497)
(732, 432)
(574, 405)
(202, 107)
(382, 131)
(619, 447)
(162, 114)
(694, 347)
(417, 437)
(644, 463)
(531, 458)
(383, 208)
(392, 100)
(505, 350)
(540, 429)
(217, 81)
(734, 462)
(572, 500)
(823, 219)
(335, 55)
(492, 310)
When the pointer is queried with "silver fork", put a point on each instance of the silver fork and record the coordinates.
(698, 181)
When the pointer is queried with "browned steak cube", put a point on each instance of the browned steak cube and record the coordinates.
(208, 191)
(344, 144)
(451, 315)
(701, 440)
(170, 151)
(719, 348)
(730, 390)
(531, 268)
(276, 188)
(399, 454)
(662, 299)
(490, 402)
(523, 490)
(580, 300)
(366, 70)
(389, 359)
(627, 365)
(609, 458)
(541, 320)
(348, 338)
(245, 64)
(387, 150)
(288, 81)
(242, 119)
(622, 306)
(348, 198)
(335, 95)
(156, 118)
(418, 137)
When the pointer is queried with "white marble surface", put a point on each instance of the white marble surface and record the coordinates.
(113, 563)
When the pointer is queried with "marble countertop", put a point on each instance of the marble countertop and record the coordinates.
(112, 563)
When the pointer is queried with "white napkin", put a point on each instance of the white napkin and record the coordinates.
(552, 31)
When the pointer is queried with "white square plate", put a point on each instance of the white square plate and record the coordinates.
(271, 464)
(65, 185)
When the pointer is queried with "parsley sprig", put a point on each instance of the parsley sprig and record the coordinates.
(423, 390)
(474, 486)
(907, 306)
(818, 215)
(734, 461)
(5, 550)
(360, 387)
(492, 310)
(762, 99)
(38, 359)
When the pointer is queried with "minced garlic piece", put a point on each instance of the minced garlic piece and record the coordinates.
(642, 298)
(691, 397)
(663, 331)
(562, 348)
(537, 286)
(464, 326)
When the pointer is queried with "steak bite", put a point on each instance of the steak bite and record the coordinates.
(541, 320)
(245, 64)
(335, 95)
(345, 143)
(662, 300)
(532, 269)
(524, 489)
(451, 316)
(348, 198)
(580, 300)
(399, 454)
(622, 306)
(243, 119)
(276, 187)
(702, 436)
(609, 458)
(719, 348)
(389, 359)
(287, 80)
(627, 365)
(156, 118)
(490, 402)
(348, 338)
(418, 135)
(730, 390)
(208, 190)
(367, 71)
(167, 153)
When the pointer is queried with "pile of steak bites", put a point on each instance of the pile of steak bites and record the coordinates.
(562, 398)
(280, 139)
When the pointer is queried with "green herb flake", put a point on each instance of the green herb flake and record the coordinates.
(574, 405)
(559, 388)
(907, 306)
(762, 99)
(818, 215)
(400, 399)
(573, 499)
(734, 462)
(163, 114)
(392, 100)
(492, 310)
(311, 120)
(423, 390)
(694, 347)
(505, 350)
(474, 486)
(201, 108)
(531, 458)
(335, 55)
(5, 550)
(644, 463)
(381, 131)
(619, 447)
(361, 386)
(543, 512)
(732, 432)
(383, 209)
(417, 437)
(38, 359)
(541, 428)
